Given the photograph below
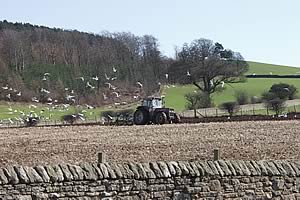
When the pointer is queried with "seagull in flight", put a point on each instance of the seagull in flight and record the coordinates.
(139, 83)
(114, 70)
(96, 78)
(117, 94)
(107, 78)
(188, 73)
(89, 85)
(81, 77)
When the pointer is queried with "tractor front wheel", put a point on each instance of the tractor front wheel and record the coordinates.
(161, 118)
(140, 117)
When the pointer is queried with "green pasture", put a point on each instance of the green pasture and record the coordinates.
(253, 86)
(263, 68)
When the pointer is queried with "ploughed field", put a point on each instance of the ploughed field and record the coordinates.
(236, 140)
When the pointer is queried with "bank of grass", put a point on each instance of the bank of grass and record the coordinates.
(266, 69)
(253, 86)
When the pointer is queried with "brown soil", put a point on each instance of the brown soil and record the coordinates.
(237, 140)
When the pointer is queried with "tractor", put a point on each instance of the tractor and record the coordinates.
(153, 111)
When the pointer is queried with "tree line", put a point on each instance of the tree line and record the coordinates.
(97, 67)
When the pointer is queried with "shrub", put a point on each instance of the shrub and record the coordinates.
(230, 107)
(241, 97)
(277, 105)
(284, 91)
(196, 100)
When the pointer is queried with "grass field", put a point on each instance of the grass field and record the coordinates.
(263, 68)
(236, 140)
(253, 86)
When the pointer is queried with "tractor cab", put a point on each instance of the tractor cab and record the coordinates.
(153, 102)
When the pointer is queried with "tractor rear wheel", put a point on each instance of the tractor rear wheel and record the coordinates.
(141, 117)
(160, 118)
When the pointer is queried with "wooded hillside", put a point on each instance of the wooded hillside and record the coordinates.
(49, 63)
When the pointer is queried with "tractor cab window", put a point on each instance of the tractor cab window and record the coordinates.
(156, 103)
(147, 103)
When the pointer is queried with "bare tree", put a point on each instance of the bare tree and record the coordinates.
(210, 65)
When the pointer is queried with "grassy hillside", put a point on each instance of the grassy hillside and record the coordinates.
(263, 68)
(254, 87)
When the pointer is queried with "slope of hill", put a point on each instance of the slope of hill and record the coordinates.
(264, 68)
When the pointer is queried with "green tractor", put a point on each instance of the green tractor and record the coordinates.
(153, 111)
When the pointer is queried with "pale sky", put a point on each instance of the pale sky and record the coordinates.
(261, 30)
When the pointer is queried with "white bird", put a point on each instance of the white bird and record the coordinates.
(66, 89)
(72, 91)
(222, 83)
(96, 78)
(167, 76)
(15, 90)
(139, 83)
(114, 70)
(66, 105)
(8, 96)
(44, 78)
(188, 73)
(46, 74)
(34, 99)
(113, 78)
(49, 99)
(5, 87)
(135, 97)
(117, 94)
(104, 96)
(19, 94)
(69, 97)
(81, 77)
(107, 78)
(211, 82)
(10, 89)
(109, 84)
(10, 109)
(46, 91)
(11, 121)
(88, 106)
(32, 106)
(89, 85)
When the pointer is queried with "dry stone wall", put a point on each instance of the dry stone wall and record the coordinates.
(155, 180)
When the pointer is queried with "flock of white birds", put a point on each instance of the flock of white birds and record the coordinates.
(53, 104)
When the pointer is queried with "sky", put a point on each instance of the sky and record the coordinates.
(261, 30)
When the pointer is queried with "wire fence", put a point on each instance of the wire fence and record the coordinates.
(249, 109)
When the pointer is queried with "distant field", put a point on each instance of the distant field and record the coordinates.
(263, 68)
(254, 87)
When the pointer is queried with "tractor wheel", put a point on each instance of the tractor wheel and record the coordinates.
(176, 118)
(160, 118)
(140, 117)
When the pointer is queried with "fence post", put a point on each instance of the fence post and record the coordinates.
(101, 157)
(253, 110)
(217, 154)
